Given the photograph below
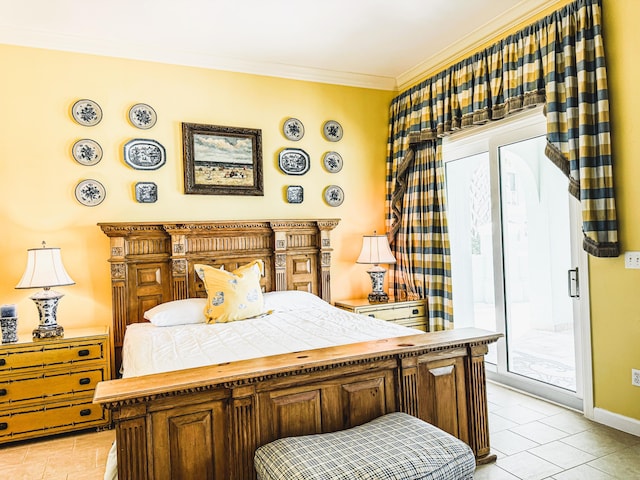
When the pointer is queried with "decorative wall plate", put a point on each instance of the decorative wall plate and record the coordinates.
(333, 195)
(146, 192)
(90, 193)
(86, 112)
(295, 194)
(332, 162)
(293, 161)
(142, 116)
(293, 129)
(86, 152)
(332, 131)
(143, 154)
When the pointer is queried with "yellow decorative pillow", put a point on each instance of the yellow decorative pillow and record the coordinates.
(233, 295)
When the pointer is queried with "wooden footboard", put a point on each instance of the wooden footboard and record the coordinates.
(206, 422)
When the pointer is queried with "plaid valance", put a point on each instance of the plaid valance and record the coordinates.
(558, 61)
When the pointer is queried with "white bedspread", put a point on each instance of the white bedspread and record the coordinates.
(299, 321)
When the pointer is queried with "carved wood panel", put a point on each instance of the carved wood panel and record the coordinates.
(151, 286)
(365, 400)
(442, 395)
(295, 412)
(193, 431)
(302, 272)
(190, 441)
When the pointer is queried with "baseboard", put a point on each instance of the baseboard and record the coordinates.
(619, 422)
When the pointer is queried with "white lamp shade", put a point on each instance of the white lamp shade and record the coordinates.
(44, 269)
(375, 250)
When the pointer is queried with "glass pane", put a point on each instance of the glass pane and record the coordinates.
(471, 239)
(537, 256)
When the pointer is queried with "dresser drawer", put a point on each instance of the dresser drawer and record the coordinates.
(37, 356)
(63, 416)
(40, 385)
(395, 313)
(420, 324)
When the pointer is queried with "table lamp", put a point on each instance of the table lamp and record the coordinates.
(375, 250)
(45, 270)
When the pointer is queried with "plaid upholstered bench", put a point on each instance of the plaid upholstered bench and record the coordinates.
(392, 447)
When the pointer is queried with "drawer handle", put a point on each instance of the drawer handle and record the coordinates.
(3, 362)
(4, 426)
(3, 392)
(85, 412)
(415, 311)
(85, 381)
(372, 315)
(83, 353)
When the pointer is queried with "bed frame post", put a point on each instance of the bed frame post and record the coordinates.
(118, 287)
(325, 227)
(180, 286)
(244, 431)
(280, 250)
(408, 387)
(477, 404)
(134, 461)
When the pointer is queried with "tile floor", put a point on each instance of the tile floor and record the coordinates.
(533, 439)
(81, 456)
(536, 440)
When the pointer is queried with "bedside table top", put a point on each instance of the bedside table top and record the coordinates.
(364, 302)
(70, 334)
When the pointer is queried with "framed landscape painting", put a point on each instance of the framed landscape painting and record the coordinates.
(222, 160)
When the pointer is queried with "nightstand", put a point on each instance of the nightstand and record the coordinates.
(409, 313)
(47, 386)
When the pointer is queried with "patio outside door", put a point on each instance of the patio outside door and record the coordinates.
(514, 251)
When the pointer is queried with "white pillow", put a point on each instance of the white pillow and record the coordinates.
(286, 300)
(178, 312)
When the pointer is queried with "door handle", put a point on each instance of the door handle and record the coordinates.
(573, 283)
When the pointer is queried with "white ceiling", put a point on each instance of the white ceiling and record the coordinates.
(383, 44)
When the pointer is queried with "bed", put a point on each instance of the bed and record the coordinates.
(192, 418)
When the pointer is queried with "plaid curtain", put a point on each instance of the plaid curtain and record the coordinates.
(558, 61)
(421, 247)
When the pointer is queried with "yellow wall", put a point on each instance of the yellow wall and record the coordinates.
(615, 315)
(38, 174)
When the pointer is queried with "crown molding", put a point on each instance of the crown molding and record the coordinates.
(467, 44)
(70, 43)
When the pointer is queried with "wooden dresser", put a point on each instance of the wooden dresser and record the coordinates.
(47, 386)
(409, 313)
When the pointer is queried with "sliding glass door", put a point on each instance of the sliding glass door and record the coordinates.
(514, 257)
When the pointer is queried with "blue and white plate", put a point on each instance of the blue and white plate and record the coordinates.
(90, 193)
(86, 152)
(144, 154)
(142, 116)
(334, 195)
(332, 131)
(332, 162)
(293, 129)
(86, 112)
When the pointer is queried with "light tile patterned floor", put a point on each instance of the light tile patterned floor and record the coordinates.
(534, 440)
(79, 456)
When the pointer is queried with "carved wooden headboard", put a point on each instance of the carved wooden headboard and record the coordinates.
(152, 263)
